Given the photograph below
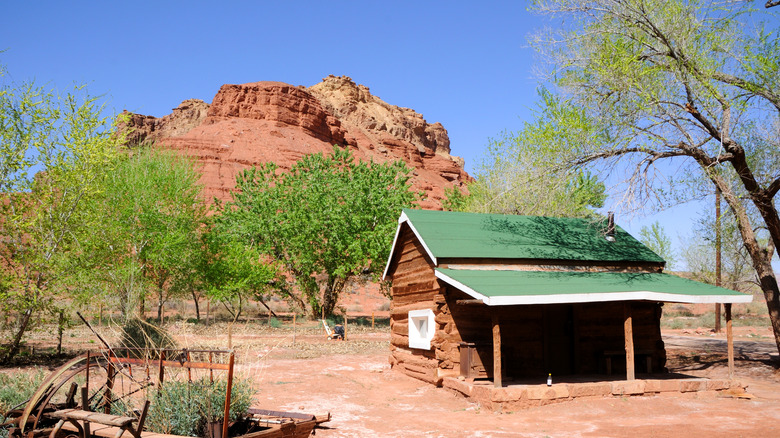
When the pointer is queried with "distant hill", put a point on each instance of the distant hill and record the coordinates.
(254, 123)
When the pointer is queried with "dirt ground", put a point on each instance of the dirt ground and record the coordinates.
(352, 380)
(367, 399)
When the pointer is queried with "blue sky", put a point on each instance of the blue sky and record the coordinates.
(464, 64)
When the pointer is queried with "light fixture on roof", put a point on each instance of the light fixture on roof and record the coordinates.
(611, 226)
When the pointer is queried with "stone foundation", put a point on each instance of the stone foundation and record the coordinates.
(514, 397)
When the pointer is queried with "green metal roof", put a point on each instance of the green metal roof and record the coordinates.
(509, 287)
(472, 235)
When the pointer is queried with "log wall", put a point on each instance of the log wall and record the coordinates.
(415, 287)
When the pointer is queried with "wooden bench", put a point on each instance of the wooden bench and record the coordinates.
(81, 420)
(609, 354)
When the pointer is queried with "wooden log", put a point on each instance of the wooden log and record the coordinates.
(412, 260)
(450, 355)
(424, 374)
(412, 266)
(469, 302)
(629, 338)
(402, 328)
(403, 310)
(425, 297)
(419, 275)
(729, 340)
(398, 340)
(442, 318)
(497, 376)
(414, 288)
(419, 357)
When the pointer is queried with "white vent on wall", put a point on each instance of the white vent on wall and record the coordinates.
(421, 328)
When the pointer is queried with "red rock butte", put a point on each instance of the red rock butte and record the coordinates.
(258, 122)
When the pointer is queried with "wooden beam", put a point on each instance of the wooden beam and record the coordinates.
(497, 372)
(729, 340)
(628, 330)
(468, 302)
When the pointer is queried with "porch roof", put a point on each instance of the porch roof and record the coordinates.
(511, 287)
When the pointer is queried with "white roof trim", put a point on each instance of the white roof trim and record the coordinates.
(404, 218)
(595, 297)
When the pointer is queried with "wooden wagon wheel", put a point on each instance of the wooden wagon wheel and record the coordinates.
(51, 385)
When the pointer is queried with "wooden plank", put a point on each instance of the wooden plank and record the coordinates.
(469, 302)
(93, 417)
(296, 415)
(628, 332)
(497, 377)
(111, 432)
(729, 340)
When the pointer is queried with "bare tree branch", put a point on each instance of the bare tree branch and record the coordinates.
(758, 90)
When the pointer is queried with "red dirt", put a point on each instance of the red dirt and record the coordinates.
(366, 399)
(353, 381)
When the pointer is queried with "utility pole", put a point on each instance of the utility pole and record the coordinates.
(717, 256)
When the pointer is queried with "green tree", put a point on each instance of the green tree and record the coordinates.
(699, 254)
(53, 150)
(516, 176)
(150, 216)
(328, 220)
(235, 270)
(692, 83)
(656, 239)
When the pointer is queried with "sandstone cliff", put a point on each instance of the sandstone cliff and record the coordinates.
(253, 123)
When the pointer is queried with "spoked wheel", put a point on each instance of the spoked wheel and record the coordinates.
(40, 402)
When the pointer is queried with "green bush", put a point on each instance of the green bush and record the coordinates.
(185, 408)
(15, 389)
(141, 334)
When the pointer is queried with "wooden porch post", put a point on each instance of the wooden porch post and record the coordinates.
(497, 376)
(729, 340)
(629, 335)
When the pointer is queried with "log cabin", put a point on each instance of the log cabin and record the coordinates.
(506, 297)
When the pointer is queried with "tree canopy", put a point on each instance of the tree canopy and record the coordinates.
(328, 221)
(149, 217)
(53, 149)
(695, 83)
(656, 239)
(516, 175)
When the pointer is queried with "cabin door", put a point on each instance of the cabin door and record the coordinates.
(559, 339)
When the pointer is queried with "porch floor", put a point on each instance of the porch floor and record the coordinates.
(520, 394)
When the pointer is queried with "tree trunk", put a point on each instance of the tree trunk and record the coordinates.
(14, 347)
(197, 307)
(270, 312)
(328, 300)
(331, 295)
(160, 303)
(60, 330)
(760, 258)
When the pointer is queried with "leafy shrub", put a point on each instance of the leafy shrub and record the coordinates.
(186, 408)
(141, 334)
(15, 389)
(275, 323)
